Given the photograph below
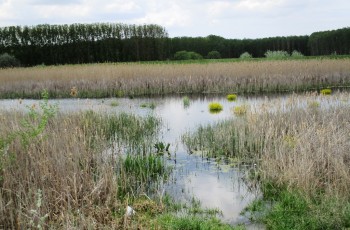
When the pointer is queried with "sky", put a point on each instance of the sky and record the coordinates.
(227, 18)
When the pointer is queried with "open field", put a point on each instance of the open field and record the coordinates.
(136, 79)
(299, 152)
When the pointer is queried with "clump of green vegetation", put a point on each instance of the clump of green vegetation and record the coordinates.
(138, 172)
(215, 107)
(114, 103)
(245, 55)
(296, 54)
(119, 93)
(326, 91)
(240, 110)
(186, 101)
(279, 54)
(231, 97)
(214, 55)
(8, 61)
(187, 55)
(151, 105)
(161, 147)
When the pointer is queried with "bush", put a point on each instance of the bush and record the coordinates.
(7, 60)
(214, 55)
(185, 55)
(296, 54)
(245, 55)
(279, 54)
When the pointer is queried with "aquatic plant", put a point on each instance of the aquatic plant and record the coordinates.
(326, 91)
(215, 107)
(114, 103)
(186, 101)
(231, 97)
(151, 105)
(161, 147)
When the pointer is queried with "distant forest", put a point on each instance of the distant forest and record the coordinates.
(111, 42)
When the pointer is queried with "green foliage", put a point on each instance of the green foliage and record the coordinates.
(186, 101)
(186, 55)
(32, 126)
(172, 222)
(231, 97)
(276, 54)
(161, 147)
(326, 91)
(296, 54)
(245, 55)
(151, 105)
(215, 107)
(7, 61)
(139, 173)
(214, 55)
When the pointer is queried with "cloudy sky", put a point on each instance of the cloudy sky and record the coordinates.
(227, 18)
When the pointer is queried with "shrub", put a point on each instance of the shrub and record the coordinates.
(185, 55)
(7, 60)
(296, 54)
(279, 54)
(182, 55)
(214, 55)
(245, 55)
(194, 55)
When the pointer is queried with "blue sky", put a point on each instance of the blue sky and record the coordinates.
(227, 18)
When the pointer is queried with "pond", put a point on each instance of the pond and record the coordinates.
(215, 184)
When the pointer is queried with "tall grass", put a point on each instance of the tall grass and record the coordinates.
(63, 177)
(298, 150)
(110, 80)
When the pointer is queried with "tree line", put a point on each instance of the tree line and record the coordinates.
(114, 42)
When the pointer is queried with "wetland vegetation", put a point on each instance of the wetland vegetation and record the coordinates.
(83, 169)
(139, 79)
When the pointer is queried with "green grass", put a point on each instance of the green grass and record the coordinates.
(173, 222)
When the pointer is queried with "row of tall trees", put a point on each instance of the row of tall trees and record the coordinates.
(113, 42)
(330, 42)
(83, 43)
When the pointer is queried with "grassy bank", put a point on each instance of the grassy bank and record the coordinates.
(299, 155)
(136, 79)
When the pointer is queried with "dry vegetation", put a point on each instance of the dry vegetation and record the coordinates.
(301, 148)
(59, 176)
(108, 80)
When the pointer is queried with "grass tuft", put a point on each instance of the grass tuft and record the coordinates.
(215, 107)
(231, 97)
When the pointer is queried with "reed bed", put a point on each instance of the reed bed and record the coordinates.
(300, 151)
(63, 178)
(133, 79)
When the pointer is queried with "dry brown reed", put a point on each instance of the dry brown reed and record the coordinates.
(295, 145)
(58, 180)
(104, 80)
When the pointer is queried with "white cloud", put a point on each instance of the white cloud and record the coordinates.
(227, 18)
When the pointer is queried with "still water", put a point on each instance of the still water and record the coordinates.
(214, 184)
